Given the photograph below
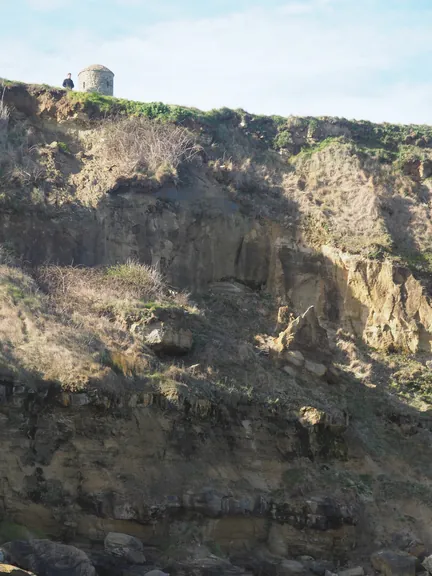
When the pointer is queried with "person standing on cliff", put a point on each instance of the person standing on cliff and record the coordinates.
(68, 83)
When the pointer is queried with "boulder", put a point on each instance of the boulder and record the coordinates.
(46, 558)
(125, 546)
(315, 368)
(394, 563)
(156, 573)
(166, 340)
(294, 357)
(290, 371)
(357, 571)
(291, 568)
(320, 567)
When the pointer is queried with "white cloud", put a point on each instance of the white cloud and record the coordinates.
(312, 58)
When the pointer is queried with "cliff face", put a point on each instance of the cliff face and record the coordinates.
(126, 406)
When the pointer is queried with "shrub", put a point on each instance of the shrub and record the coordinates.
(137, 280)
(137, 144)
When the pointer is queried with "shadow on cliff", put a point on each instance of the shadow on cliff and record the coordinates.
(197, 232)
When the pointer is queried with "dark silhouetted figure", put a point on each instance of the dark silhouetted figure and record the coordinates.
(68, 83)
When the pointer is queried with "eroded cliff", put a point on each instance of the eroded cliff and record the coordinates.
(153, 377)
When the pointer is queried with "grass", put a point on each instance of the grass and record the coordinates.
(63, 147)
(137, 280)
(308, 152)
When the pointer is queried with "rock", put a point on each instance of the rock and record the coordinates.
(166, 340)
(291, 568)
(311, 417)
(290, 371)
(46, 558)
(320, 567)
(285, 316)
(409, 542)
(125, 546)
(315, 368)
(79, 399)
(156, 573)
(303, 334)
(13, 570)
(357, 571)
(427, 563)
(294, 357)
(229, 288)
(394, 563)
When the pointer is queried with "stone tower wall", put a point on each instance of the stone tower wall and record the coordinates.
(96, 81)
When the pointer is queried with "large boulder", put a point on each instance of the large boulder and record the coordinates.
(394, 563)
(125, 546)
(46, 558)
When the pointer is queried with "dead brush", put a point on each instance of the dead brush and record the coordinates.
(90, 286)
(140, 145)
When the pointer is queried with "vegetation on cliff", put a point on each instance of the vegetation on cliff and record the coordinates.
(360, 186)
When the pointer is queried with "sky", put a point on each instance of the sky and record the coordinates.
(359, 59)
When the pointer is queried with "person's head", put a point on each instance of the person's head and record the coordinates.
(69, 75)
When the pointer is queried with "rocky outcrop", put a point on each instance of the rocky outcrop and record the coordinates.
(380, 302)
(303, 344)
(166, 332)
(306, 334)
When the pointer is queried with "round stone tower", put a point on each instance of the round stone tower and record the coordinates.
(96, 78)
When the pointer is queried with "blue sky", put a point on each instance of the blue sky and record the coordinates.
(359, 59)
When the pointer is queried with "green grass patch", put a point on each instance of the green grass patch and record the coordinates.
(63, 147)
(308, 152)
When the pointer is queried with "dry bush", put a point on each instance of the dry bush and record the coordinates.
(18, 162)
(137, 144)
(91, 286)
(338, 199)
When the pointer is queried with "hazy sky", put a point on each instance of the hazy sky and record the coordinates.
(367, 59)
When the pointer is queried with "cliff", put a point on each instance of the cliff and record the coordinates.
(215, 331)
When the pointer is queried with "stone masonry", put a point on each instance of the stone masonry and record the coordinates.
(96, 78)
